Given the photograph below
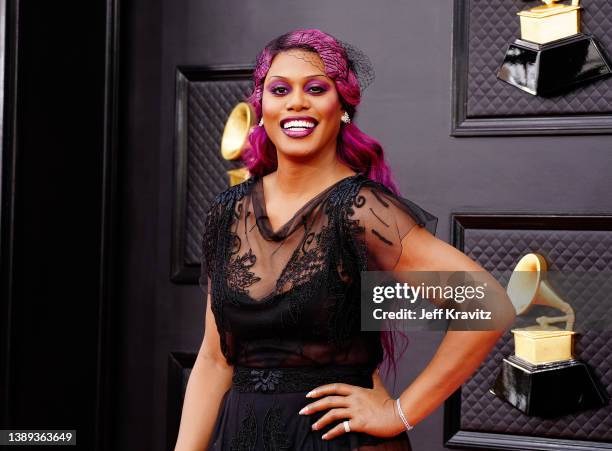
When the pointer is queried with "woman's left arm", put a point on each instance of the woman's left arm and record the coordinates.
(459, 355)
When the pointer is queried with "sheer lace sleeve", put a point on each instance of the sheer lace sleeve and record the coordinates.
(209, 242)
(378, 220)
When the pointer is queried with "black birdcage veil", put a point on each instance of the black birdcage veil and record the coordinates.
(360, 64)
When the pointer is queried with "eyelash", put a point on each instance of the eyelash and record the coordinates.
(275, 89)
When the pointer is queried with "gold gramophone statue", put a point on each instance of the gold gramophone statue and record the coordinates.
(543, 378)
(552, 54)
(235, 134)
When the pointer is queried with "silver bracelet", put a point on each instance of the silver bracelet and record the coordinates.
(401, 414)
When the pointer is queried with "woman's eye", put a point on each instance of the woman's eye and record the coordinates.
(316, 89)
(279, 90)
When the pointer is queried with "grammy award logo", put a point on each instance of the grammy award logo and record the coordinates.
(543, 378)
(236, 132)
(552, 55)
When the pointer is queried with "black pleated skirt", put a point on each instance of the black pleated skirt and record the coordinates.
(260, 412)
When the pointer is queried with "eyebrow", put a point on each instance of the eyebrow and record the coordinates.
(308, 76)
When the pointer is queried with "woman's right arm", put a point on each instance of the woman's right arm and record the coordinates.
(210, 378)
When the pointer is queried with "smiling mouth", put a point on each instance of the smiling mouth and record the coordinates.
(298, 124)
(298, 127)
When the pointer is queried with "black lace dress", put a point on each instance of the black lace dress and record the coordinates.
(286, 304)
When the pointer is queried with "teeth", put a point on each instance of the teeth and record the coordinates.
(298, 124)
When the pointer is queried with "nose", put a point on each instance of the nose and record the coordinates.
(297, 100)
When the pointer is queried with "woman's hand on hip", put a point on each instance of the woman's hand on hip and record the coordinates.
(368, 410)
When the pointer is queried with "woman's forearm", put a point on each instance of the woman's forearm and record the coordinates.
(460, 354)
(207, 384)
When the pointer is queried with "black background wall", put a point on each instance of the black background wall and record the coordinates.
(58, 169)
(60, 282)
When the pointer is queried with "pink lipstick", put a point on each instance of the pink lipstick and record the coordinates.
(298, 126)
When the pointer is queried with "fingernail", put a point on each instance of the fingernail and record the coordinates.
(324, 436)
(310, 393)
(303, 411)
(314, 426)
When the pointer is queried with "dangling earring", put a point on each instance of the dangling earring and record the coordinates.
(261, 122)
(345, 118)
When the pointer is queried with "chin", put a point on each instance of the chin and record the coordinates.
(298, 151)
(302, 146)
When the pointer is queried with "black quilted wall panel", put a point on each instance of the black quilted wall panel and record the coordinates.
(498, 251)
(493, 24)
(210, 103)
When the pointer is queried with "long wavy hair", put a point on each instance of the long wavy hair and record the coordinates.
(356, 149)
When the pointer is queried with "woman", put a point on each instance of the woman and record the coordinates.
(282, 254)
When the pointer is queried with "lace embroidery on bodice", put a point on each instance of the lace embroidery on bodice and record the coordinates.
(291, 297)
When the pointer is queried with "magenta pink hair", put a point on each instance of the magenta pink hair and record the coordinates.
(357, 150)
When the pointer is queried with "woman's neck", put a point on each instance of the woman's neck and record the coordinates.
(302, 181)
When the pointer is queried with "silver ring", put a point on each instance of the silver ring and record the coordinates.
(347, 428)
